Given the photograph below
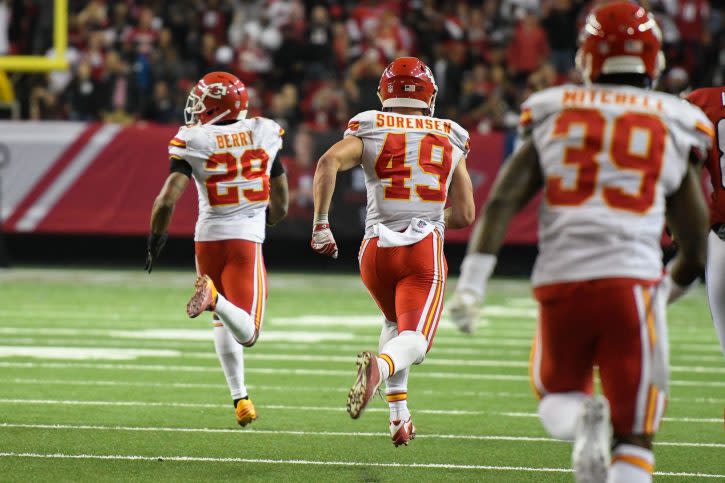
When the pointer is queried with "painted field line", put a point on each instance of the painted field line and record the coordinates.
(259, 387)
(674, 420)
(296, 372)
(700, 358)
(185, 334)
(252, 370)
(253, 432)
(320, 347)
(321, 389)
(209, 459)
(205, 334)
(308, 320)
(283, 407)
(125, 354)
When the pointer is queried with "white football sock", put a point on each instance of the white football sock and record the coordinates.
(235, 319)
(631, 464)
(231, 357)
(558, 413)
(396, 394)
(403, 351)
(476, 269)
(397, 386)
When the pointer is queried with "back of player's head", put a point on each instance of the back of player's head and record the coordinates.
(217, 97)
(620, 40)
(408, 82)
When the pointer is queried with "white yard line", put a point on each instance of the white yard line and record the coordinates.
(252, 370)
(114, 353)
(291, 371)
(450, 412)
(317, 336)
(298, 372)
(314, 389)
(674, 420)
(209, 459)
(254, 432)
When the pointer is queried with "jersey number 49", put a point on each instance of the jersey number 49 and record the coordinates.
(434, 157)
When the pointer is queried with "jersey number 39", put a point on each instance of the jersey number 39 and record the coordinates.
(223, 188)
(637, 145)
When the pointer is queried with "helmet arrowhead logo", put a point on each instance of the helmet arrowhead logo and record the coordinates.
(216, 90)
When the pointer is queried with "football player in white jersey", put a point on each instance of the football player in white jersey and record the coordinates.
(410, 160)
(241, 186)
(613, 159)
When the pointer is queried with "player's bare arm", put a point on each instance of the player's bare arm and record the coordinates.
(344, 155)
(687, 217)
(174, 186)
(462, 210)
(278, 199)
(516, 184)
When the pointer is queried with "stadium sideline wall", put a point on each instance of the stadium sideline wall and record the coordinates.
(68, 189)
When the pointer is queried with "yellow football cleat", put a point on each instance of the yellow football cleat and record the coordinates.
(245, 412)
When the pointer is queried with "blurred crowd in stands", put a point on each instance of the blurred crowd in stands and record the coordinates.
(311, 65)
(315, 64)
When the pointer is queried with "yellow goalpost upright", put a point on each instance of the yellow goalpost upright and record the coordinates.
(41, 63)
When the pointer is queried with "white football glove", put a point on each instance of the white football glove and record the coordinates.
(322, 240)
(464, 309)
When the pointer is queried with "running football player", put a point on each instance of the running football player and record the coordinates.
(613, 159)
(410, 159)
(241, 187)
(712, 101)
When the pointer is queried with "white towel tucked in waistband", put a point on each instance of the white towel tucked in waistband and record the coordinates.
(416, 231)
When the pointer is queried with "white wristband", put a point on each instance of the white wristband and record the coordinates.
(476, 269)
(321, 219)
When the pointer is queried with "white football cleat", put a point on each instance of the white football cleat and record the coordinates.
(591, 455)
(464, 309)
(402, 431)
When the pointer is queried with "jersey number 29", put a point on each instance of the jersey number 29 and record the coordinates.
(251, 165)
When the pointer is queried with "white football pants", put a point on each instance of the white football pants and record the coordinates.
(715, 274)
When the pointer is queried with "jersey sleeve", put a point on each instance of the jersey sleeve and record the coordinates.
(361, 125)
(538, 107)
(700, 100)
(701, 132)
(269, 134)
(460, 138)
(187, 143)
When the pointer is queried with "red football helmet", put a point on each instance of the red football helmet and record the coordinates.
(218, 96)
(620, 38)
(408, 82)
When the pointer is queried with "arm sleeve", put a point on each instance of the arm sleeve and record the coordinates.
(277, 167)
(179, 165)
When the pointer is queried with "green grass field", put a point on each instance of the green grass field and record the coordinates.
(102, 377)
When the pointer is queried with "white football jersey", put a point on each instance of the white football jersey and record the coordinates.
(408, 163)
(609, 155)
(231, 165)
